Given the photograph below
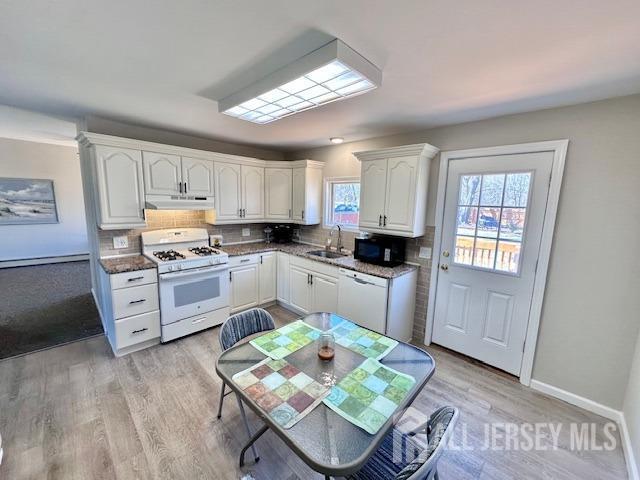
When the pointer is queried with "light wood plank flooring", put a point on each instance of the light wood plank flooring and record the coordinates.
(76, 412)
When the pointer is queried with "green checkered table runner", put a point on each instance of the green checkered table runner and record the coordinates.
(360, 340)
(279, 343)
(281, 390)
(369, 394)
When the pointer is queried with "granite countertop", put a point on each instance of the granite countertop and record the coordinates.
(302, 250)
(130, 263)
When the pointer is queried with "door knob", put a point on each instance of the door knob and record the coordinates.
(444, 267)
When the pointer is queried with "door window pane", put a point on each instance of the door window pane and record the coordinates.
(489, 222)
(516, 191)
(512, 223)
(490, 235)
(508, 257)
(469, 190)
(464, 250)
(467, 218)
(491, 193)
(484, 253)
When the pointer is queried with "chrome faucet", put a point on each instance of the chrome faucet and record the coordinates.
(329, 240)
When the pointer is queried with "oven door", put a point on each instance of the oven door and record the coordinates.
(187, 293)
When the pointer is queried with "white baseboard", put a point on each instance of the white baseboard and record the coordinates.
(599, 409)
(43, 260)
(627, 446)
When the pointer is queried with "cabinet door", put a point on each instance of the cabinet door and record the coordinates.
(162, 175)
(252, 192)
(278, 184)
(228, 187)
(402, 174)
(120, 187)
(244, 287)
(299, 178)
(197, 175)
(268, 278)
(300, 289)
(283, 277)
(373, 180)
(324, 293)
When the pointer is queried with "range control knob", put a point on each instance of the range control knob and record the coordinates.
(170, 268)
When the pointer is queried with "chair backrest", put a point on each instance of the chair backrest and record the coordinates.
(439, 429)
(243, 324)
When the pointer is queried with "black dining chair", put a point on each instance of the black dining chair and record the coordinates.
(381, 466)
(234, 329)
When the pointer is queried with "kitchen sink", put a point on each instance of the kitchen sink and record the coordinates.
(326, 254)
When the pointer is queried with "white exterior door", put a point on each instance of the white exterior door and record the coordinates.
(325, 293)
(300, 289)
(252, 192)
(492, 227)
(162, 174)
(373, 184)
(244, 287)
(197, 176)
(278, 184)
(400, 204)
(228, 191)
(299, 190)
(267, 277)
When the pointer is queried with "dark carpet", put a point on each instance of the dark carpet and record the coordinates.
(45, 305)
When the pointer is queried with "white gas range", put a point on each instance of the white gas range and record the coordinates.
(193, 280)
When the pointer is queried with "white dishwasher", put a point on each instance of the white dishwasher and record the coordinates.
(362, 298)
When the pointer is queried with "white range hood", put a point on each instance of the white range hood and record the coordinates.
(175, 202)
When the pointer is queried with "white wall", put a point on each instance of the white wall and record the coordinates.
(632, 407)
(590, 315)
(61, 164)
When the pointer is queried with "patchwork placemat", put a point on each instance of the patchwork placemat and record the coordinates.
(369, 395)
(285, 340)
(281, 390)
(360, 340)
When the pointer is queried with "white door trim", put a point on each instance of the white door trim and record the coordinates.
(559, 149)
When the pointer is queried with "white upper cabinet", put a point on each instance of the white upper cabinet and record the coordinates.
(120, 187)
(393, 189)
(278, 185)
(252, 192)
(197, 177)
(373, 183)
(228, 183)
(307, 194)
(162, 174)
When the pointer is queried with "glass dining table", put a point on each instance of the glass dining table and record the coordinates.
(324, 440)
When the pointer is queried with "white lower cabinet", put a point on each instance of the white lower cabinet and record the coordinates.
(268, 277)
(244, 287)
(325, 293)
(283, 293)
(300, 291)
(313, 286)
(130, 310)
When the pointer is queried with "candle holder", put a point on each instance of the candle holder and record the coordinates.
(326, 346)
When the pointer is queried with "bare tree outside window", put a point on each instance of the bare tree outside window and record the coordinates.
(344, 203)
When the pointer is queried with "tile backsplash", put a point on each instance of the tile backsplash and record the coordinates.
(316, 234)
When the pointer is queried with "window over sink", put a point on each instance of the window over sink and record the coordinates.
(342, 202)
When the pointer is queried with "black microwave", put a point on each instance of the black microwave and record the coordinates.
(385, 251)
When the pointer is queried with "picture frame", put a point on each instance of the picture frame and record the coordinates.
(27, 201)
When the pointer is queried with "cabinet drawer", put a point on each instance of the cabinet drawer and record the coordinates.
(137, 329)
(135, 300)
(242, 260)
(133, 279)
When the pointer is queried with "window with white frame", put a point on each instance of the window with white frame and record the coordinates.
(342, 202)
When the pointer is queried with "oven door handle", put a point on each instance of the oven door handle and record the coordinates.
(193, 272)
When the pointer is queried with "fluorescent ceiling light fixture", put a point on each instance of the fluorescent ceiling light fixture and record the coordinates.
(330, 73)
(336, 140)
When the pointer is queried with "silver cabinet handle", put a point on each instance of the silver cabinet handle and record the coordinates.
(245, 260)
(311, 276)
(134, 279)
(380, 221)
(133, 302)
(384, 223)
(302, 214)
(185, 188)
(230, 278)
(139, 331)
(261, 262)
(180, 186)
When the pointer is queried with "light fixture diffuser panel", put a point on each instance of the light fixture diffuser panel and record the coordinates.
(331, 73)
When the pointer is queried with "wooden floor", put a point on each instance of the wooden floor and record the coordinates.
(76, 412)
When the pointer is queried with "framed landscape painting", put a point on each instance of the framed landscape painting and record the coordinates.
(25, 201)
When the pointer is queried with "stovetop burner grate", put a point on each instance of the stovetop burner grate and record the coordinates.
(203, 251)
(168, 255)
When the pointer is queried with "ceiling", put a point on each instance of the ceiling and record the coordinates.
(443, 62)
